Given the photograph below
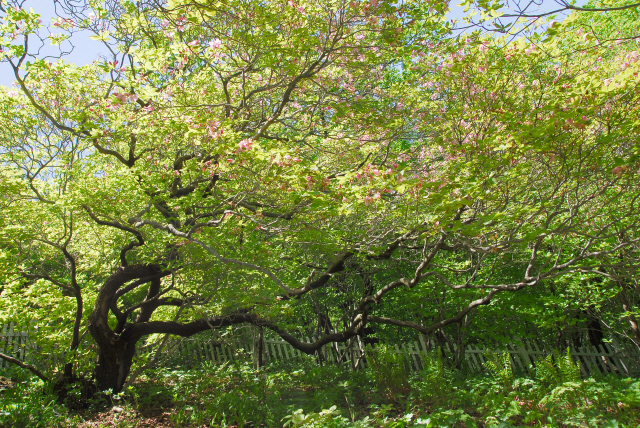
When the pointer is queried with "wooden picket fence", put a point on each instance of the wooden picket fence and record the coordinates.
(14, 343)
(609, 358)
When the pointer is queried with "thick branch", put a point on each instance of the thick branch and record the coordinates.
(131, 245)
(29, 367)
(436, 326)
(335, 267)
(189, 329)
(63, 286)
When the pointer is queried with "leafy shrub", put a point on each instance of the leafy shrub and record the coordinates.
(499, 366)
(389, 369)
(28, 405)
(325, 418)
(434, 377)
(557, 369)
(300, 394)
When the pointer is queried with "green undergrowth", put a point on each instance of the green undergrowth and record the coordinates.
(307, 395)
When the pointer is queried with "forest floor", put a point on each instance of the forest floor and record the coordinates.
(312, 396)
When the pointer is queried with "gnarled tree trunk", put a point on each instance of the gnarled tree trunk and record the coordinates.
(114, 365)
(116, 347)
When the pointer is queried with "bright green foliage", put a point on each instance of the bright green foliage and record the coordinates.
(558, 369)
(323, 419)
(29, 404)
(317, 168)
(499, 366)
(305, 395)
(390, 369)
(434, 376)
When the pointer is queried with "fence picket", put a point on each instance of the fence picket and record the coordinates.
(415, 357)
(221, 358)
(422, 346)
(515, 357)
(630, 365)
(3, 340)
(470, 357)
(619, 362)
(598, 360)
(522, 350)
(280, 351)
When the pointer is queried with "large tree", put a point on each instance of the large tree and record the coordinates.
(232, 161)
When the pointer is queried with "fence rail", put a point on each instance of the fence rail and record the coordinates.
(608, 358)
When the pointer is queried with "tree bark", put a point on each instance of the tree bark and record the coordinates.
(115, 350)
(114, 365)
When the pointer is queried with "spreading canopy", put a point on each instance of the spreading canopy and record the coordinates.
(228, 161)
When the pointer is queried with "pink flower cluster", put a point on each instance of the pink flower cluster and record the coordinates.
(246, 145)
(125, 97)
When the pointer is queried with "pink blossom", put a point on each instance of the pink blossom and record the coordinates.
(617, 171)
(122, 97)
(246, 144)
(215, 43)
